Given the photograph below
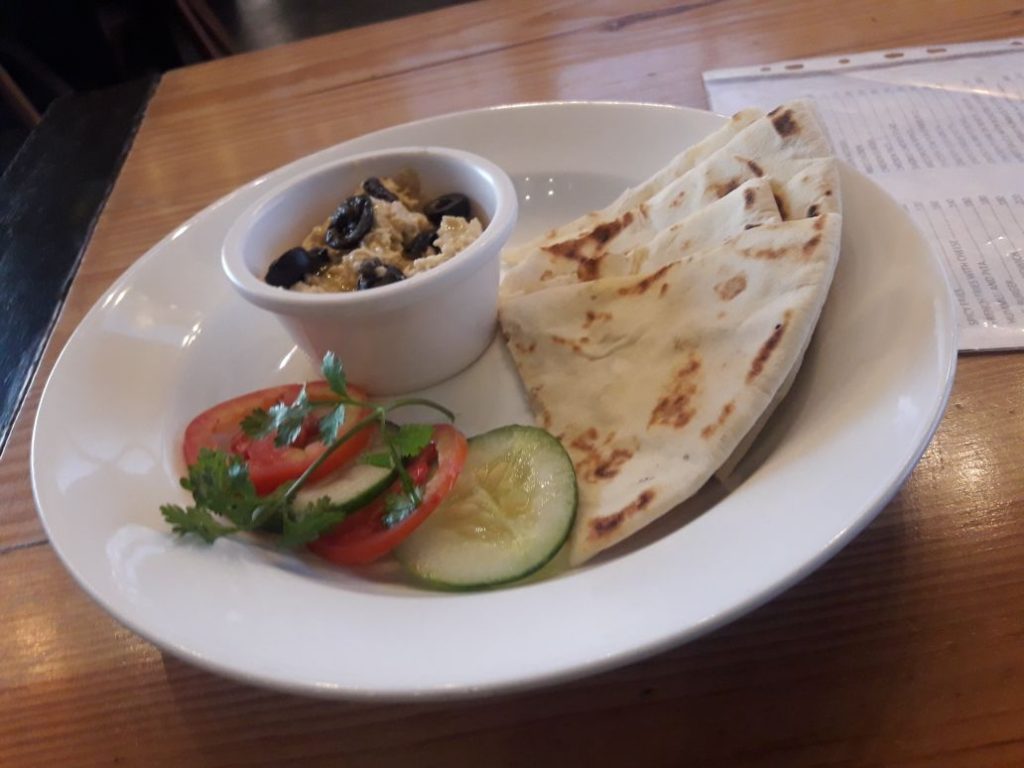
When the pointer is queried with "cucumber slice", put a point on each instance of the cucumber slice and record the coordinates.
(509, 513)
(354, 486)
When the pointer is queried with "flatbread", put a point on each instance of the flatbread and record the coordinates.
(748, 206)
(725, 474)
(813, 192)
(634, 196)
(787, 148)
(651, 381)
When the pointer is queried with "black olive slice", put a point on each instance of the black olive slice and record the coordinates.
(374, 187)
(369, 266)
(350, 223)
(452, 204)
(293, 265)
(321, 258)
(373, 273)
(418, 246)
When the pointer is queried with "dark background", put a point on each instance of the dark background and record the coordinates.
(54, 47)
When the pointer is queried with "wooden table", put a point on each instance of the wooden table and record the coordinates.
(906, 649)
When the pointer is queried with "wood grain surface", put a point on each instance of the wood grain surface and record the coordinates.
(907, 649)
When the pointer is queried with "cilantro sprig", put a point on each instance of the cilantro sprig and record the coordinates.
(226, 502)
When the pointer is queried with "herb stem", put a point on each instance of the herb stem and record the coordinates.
(420, 401)
(360, 425)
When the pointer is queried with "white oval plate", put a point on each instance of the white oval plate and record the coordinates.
(171, 338)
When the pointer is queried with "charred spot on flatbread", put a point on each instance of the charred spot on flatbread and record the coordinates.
(641, 286)
(749, 197)
(539, 408)
(812, 211)
(602, 526)
(599, 459)
(785, 124)
(728, 290)
(787, 251)
(576, 345)
(588, 249)
(755, 169)
(586, 440)
(769, 346)
(722, 189)
(723, 416)
(609, 466)
(593, 317)
(675, 407)
(767, 254)
(810, 245)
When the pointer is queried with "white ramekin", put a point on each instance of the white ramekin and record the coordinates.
(399, 337)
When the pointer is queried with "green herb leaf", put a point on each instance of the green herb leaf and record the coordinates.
(257, 424)
(311, 522)
(398, 507)
(288, 419)
(382, 460)
(334, 373)
(330, 425)
(221, 484)
(197, 520)
(410, 439)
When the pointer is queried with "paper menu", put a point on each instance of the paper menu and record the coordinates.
(942, 129)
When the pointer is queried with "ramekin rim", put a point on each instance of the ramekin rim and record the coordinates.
(258, 292)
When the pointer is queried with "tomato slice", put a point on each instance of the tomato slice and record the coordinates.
(363, 537)
(219, 428)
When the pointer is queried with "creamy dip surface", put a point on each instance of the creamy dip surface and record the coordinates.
(396, 226)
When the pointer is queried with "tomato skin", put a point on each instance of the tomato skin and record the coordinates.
(363, 538)
(219, 428)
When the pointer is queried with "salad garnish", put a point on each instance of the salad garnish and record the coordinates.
(225, 500)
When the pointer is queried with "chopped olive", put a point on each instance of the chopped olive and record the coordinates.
(374, 187)
(369, 265)
(452, 204)
(321, 258)
(419, 245)
(293, 265)
(373, 273)
(350, 223)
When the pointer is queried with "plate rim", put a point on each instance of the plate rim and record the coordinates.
(580, 668)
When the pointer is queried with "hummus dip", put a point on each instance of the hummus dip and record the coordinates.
(400, 243)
